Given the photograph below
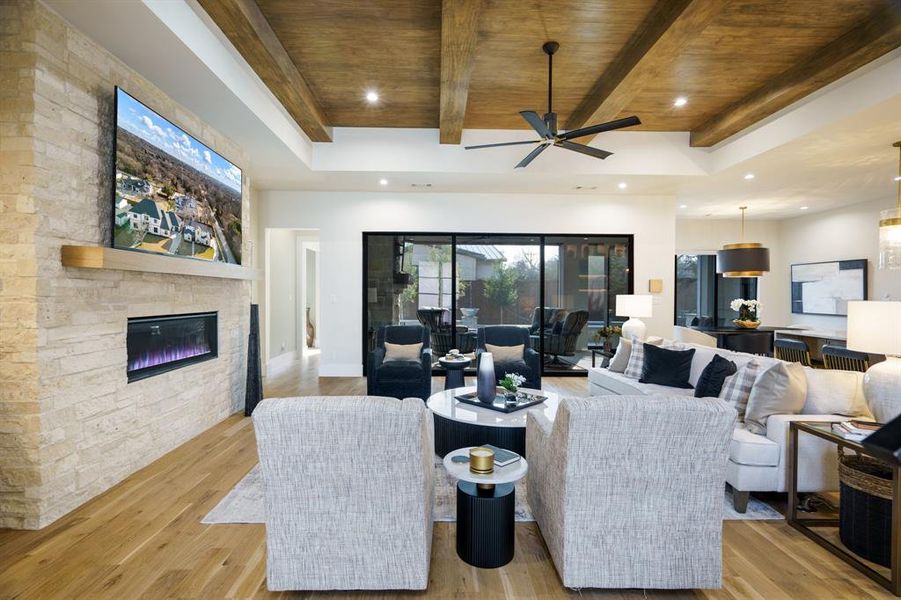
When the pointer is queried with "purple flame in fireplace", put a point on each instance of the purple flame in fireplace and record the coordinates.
(159, 344)
(161, 356)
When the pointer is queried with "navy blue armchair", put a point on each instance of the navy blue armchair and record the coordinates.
(506, 335)
(400, 379)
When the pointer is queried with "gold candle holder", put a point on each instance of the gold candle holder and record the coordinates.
(481, 460)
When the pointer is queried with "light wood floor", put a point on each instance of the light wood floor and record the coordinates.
(144, 539)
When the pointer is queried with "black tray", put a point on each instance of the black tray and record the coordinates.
(523, 400)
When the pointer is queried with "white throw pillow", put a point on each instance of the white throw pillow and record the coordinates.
(780, 390)
(831, 392)
(636, 358)
(505, 354)
(737, 388)
(399, 352)
(620, 359)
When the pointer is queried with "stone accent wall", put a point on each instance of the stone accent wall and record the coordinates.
(72, 426)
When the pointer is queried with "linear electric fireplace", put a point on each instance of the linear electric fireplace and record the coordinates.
(159, 344)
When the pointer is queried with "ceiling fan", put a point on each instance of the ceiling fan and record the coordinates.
(546, 127)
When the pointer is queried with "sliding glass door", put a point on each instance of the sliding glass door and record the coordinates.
(561, 288)
(582, 277)
(409, 278)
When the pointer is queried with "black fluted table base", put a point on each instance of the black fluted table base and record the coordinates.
(485, 524)
(451, 435)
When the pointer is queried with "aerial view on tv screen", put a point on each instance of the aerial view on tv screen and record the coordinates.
(173, 195)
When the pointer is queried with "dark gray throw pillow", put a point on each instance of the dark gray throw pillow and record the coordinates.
(710, 383)
(671, 368)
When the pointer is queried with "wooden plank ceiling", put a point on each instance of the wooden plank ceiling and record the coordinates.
(477, 63)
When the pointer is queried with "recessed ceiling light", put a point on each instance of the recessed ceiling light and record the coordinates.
(680, 101)
(622, 185)
(804, 207)
(383, 181)
(683, 206)
(898, 178)
(749, 176)
(372, 96)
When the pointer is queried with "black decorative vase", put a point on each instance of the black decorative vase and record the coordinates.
(486, 383)
(254, 390)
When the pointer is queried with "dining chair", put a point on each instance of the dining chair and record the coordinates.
(792, 351)
(842, 359)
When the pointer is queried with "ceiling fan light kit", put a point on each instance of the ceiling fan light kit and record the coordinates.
(743, 259)
(546, 127)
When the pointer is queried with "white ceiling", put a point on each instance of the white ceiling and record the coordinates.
(828, 150)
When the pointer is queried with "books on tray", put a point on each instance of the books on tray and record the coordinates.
(502, 457)
(855, 430)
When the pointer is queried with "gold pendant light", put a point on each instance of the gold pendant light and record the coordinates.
(744, 259)
(890, 229)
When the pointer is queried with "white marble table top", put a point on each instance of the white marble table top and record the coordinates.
(509, 474)
(445, 405)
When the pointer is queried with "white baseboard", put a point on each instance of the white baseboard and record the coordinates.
(282, 361)
(340, 370)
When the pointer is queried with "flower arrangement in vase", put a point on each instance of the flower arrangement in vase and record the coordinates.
(608, 336)
(511, 383)
(747, 313)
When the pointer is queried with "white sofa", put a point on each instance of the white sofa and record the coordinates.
(758, 463)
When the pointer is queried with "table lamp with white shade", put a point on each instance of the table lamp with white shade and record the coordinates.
(634, 306)
(875, 327)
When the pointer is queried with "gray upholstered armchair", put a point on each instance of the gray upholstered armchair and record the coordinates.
(347, 483)
(628, 491)
(509, 335)
(400, 379)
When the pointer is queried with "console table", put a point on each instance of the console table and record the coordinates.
(807, 525)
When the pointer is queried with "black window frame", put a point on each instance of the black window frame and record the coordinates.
(364, 317)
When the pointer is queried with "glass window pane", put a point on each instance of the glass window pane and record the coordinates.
(582, 277)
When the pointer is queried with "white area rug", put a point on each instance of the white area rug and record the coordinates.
(244, 503)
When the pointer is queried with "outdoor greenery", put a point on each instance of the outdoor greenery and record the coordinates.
(501, 288)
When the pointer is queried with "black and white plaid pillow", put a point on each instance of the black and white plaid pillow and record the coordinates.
(737, 388)
(636, 359)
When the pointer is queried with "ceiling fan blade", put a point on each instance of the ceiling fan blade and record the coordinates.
(531, 155)
(575, 147)
(502, 144)
(593, 129)
(537, 123)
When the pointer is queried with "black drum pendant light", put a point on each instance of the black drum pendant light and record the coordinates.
(744, 259)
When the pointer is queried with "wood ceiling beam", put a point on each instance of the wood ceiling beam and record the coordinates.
(654, 46)
(878, 35)
(244, 25)
(459, 32)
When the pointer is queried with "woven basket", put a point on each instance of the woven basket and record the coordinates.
(865, 508)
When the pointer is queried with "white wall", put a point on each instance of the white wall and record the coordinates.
(341, 217)
(706, 236)
(281, 284)
(846, 233)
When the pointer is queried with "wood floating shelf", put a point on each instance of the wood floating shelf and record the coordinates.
(100, 257)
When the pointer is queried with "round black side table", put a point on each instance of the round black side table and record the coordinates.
(485, 524)
(453, 372)
(486, 506)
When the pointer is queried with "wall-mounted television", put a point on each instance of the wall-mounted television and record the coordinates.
(173, 194)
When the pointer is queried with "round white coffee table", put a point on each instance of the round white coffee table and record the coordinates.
(486, 507)
(459, 425)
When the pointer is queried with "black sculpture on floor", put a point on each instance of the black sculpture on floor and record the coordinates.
(254, 390)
